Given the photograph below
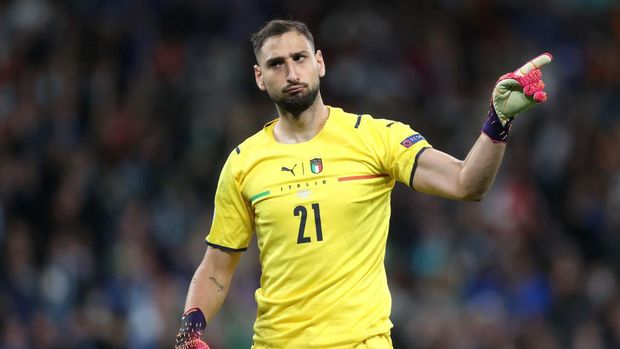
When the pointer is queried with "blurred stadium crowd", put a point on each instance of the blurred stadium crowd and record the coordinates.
(116, 116)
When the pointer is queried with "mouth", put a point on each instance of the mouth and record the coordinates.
(294, 89)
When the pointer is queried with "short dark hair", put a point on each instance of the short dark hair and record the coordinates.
(277, 27)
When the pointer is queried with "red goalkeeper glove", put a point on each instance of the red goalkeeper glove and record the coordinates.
(193, 324)
(514, 93)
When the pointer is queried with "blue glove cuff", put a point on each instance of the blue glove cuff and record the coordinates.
(193, 324)
(493, 127)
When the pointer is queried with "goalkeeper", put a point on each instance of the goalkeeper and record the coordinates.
(314, 185)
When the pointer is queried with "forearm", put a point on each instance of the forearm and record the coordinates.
(480, 168)
(211, 281)
(205, 296)
(207, 290)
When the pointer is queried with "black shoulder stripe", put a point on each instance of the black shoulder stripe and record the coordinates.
(415, 165)
(238, 150)
(359, 119)
(390, 124)
(226, 249)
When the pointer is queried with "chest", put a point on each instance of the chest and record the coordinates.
(302, 197)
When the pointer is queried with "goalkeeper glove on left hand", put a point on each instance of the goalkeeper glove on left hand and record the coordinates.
(513, 93)
(520, 90)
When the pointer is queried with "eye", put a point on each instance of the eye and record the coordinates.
(275, 64)
(299, 58)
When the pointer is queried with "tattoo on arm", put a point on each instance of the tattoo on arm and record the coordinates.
(220, 287)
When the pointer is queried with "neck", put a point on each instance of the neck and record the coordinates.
(296, 129)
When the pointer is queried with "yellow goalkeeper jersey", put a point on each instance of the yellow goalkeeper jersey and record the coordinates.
(320, 210)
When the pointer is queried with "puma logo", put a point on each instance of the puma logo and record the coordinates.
(291, 170)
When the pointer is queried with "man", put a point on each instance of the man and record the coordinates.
(315, 185)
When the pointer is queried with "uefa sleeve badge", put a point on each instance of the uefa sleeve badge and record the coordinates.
(411, 140)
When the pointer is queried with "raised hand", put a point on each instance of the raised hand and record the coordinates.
(520, 90)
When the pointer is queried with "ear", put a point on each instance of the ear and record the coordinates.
(258, 75)
(320, 62)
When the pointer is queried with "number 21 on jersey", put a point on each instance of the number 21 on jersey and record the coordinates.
(302, 212)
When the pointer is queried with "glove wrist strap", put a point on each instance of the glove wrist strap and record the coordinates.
(494, 128)
(193, 325)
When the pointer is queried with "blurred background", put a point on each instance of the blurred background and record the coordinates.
(116, 117)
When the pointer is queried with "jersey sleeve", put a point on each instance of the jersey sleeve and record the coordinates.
(401, 146)
(232, 226)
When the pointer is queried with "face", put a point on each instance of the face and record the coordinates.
(290, 71)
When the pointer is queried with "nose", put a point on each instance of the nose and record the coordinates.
(292, 75)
